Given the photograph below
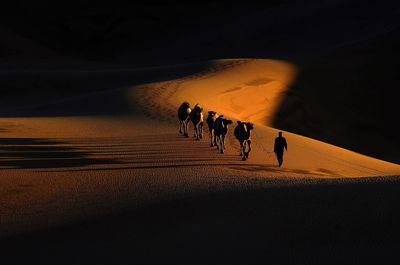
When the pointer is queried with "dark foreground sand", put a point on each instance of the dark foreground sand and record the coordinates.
(320, 222)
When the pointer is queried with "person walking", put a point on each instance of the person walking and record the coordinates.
(279, 146)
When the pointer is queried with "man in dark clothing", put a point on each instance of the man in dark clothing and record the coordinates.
(279, 146)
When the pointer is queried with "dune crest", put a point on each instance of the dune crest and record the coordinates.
(249, 90)
(252, 89)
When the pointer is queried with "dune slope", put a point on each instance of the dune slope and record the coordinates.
(57, 170)
(252, 90)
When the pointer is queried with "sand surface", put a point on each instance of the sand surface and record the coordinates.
(62, 170)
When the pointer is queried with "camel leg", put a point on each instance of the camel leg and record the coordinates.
(180, 127)
(197, 133)
(211, 138)
(186, 129)
(244, 151)
(221, 139)
(201, 130)
(248, 152)
(241, 148)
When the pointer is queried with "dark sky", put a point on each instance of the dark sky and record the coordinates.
(158, 33)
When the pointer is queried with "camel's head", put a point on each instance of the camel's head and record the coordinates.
(198, 107)
(247, 126)
(226, 122)
(211, 113)
(185, 104)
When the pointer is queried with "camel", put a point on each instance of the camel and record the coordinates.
(220, 130)
(196, 116)
(242, 133)
(184, 117)
(212, 117)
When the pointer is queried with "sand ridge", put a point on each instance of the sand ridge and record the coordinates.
(251, 91)
(56, 170)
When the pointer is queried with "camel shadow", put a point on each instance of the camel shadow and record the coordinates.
(35, 153)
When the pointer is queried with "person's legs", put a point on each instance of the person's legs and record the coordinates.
(280, 158)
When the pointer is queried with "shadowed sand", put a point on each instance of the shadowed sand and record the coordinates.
(127, 186)
(321, 222)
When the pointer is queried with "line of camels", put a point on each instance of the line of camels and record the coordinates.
(218, 128)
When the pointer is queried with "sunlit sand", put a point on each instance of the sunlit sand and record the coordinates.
(252, 90)
(55, 170)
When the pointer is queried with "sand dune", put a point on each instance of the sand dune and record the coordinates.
(86, 187)
(56, 170)
(337, 52)
(252, 90)
(93, 170)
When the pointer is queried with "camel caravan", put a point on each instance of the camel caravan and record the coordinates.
(217, 126)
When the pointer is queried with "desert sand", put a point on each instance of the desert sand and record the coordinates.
(80, 185)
